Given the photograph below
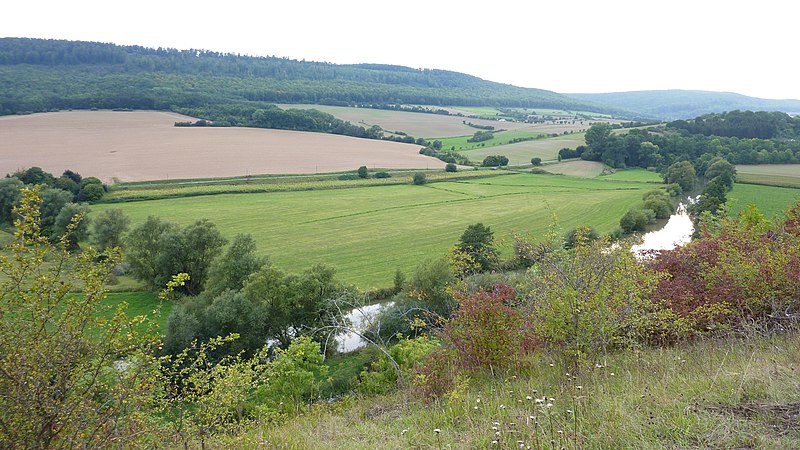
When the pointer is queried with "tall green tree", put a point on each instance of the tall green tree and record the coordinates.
(190, 250)
(231, 269)
(109, 227)
(683, 174)
(62, 229)
(143, 249)
(477, 241)
(9, 196)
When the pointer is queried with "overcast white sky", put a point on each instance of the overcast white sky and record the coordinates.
(565, 46)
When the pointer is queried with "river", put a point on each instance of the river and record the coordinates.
(360, 318)
(677, 231)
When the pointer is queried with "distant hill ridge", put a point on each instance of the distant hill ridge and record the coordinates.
(39, 75)
(42, 74)
(683, 104)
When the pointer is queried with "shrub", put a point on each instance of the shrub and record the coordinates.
(745, 271)
(363, 172)
(292, 379)
(536, 161)
(485, 331)
(383, 375)
(495, 161)
(383, 175)
(420, 178)
(633, 220)
(582, 235)
(450, 167)
(591, 300)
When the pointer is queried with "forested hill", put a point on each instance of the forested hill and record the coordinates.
(40, 75)
(680, 104)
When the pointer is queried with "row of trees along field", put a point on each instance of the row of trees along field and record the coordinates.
(696, 141)
(69, 379)
(41, 75)
(63, 198)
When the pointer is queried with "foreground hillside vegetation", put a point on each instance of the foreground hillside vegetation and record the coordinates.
(574, 344)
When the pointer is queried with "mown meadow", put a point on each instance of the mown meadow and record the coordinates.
(368, 233)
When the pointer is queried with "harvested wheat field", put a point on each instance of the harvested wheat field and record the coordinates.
(431, 126)
(144, 145)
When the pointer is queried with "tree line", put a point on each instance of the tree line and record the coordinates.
(660, 147)
(63, 199)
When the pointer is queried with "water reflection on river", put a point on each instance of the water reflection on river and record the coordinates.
(677, 231)
(360, 318)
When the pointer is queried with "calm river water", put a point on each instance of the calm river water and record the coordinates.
(677, 231)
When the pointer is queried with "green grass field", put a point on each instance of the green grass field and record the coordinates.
(368, 233)
(771, 200)
(522, 152)
(185, 188)
(139, 304)
(640, 175)
(786, 170)
(501, 138)
(577, 168)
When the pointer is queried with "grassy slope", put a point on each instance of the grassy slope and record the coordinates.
(715, 394)
(368, 233)
(500, 138)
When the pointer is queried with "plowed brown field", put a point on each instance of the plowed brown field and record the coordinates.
(144, 145)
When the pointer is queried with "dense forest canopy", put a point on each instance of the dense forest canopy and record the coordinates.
(743, 125)
(740, 137)
(40, 75)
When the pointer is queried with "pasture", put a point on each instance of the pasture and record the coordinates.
(786, 170)
(144, 145)
(462, 143)
(522, 152)
(772, 201)
(577, 168)
(435, 126)
(640, 175)
(368, 233)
